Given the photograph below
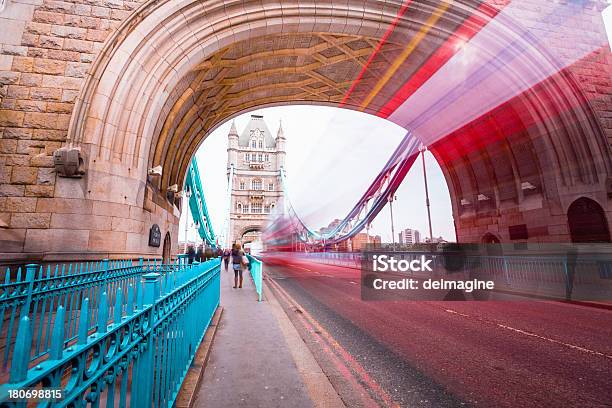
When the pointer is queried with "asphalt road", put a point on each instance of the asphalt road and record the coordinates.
(446, 354)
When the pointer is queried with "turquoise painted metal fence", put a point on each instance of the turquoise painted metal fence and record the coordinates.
(38, 291)
(146, 334)
(256, 270)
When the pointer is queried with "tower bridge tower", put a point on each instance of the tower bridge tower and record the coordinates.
(257, 157)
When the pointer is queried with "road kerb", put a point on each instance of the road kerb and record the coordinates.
(320, 389)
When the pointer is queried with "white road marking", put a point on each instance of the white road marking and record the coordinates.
(573, 346)
(455, 312)
(530, 334)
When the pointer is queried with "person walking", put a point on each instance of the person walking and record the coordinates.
(226, 257)
(237, 254)
(190, 254)
(200, 254)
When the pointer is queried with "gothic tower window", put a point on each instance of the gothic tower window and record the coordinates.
(260, 143)
(256, 208)
(242, 185)
(256, 184)
(239, 207)
(267, 208)
(270, 186)
(245, 209)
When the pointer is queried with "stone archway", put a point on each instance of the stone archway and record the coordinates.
(175, 70)
(587, 221)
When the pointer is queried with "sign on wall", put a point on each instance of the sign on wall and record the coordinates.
(154, 236)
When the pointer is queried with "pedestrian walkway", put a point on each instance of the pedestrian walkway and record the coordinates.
(253, 358)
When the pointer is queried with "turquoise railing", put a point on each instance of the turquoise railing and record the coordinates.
(38, 291)
(140, 350)
(256, 270)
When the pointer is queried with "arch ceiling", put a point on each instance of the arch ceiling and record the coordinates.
(177, 69)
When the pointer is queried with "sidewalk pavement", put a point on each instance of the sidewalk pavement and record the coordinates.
(258, 359)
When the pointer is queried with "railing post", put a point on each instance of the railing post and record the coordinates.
(151, 288)
(21, 354)
(147, 371)
(30, 274)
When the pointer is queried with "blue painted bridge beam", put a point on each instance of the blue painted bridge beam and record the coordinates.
(197, 204)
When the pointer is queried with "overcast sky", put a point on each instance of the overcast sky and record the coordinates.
(332, 156)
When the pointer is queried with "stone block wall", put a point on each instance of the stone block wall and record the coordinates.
(46, 50)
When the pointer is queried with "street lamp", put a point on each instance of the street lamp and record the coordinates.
(186, 194)
(422, 149)
(392, 198)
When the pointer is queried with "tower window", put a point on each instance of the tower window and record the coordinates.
(270, 186)
(256, 185)
(242, 185)
(239, 207)
(253, 143)
(261, 144)
(245, 209)
(266, 157)
(259, 157)
(267, 208)
(256, 208)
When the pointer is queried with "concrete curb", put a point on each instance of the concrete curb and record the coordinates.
(321, 391)
(188, 392)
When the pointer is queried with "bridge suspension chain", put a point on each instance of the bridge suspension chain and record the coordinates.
(366, 209)
(197, 204)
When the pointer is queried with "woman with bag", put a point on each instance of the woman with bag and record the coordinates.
(237, 263)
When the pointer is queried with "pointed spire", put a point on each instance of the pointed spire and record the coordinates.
(233, 130)
(281, 132)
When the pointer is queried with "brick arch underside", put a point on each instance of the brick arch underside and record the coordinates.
(185, 68)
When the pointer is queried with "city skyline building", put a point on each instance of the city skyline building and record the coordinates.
(409, 236)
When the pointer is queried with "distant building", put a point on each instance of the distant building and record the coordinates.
(257, 157)
(359, 241)
(435, 240)
(330, 227)
(409, 236)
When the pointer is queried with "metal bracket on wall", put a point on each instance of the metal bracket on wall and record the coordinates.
(69, 162)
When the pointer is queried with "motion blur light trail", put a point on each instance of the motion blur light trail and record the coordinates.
(502, 61)
(364, 211)
(467, 82)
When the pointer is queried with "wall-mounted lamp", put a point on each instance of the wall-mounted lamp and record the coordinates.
(155, 171)
(525, 185)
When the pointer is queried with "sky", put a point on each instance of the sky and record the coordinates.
(332, 157)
